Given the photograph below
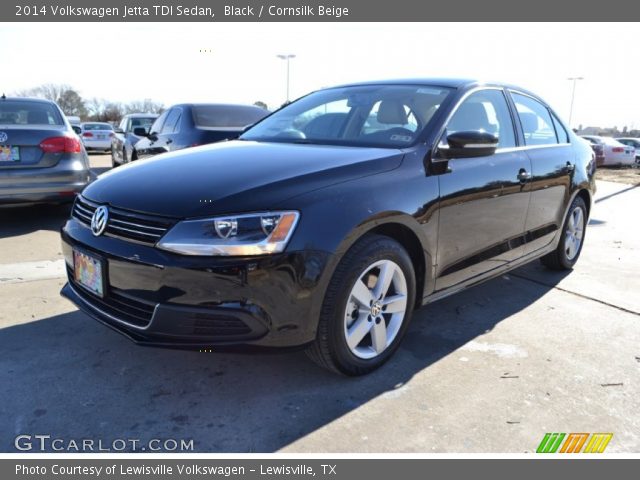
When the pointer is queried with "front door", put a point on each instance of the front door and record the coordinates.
(483, 200)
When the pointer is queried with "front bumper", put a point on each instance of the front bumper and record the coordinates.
(159, 298)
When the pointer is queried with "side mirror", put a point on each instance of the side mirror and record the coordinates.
(469, 144)
(118, 130)
(140, 132)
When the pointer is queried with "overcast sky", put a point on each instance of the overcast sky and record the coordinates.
(162, 61)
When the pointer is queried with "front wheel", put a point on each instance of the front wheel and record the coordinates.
(367, 307)
(565, 256)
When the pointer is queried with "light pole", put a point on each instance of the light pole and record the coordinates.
(287, 57)
(573, 95)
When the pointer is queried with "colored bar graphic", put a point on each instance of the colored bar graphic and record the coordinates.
(550, 443)
(574, 443)
(598, 442)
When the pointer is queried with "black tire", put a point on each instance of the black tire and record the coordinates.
(559, 259)
(330, 349)
(114, 164)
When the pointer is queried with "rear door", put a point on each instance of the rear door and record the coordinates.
(170, 135)
(552, 157)
(24, 125)
(483, 200)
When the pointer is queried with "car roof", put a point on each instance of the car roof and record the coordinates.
(27, 99)
(95, 123)
(449, 82)
(215, 105)
(141, 115)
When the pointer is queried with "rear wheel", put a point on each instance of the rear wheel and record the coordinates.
(565, 256)
(366, 309)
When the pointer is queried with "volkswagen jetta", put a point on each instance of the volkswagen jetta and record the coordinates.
(328, 223)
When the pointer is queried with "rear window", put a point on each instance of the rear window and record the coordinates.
(96, 126)
(16, 112)
(226, 115)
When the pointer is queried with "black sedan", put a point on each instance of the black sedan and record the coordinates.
(329, 222)
(190, 125)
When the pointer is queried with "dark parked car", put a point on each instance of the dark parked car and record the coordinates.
(124, 139)
(326, 224)
(41, 158)
(190, 125)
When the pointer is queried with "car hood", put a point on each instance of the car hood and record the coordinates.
(236, 176)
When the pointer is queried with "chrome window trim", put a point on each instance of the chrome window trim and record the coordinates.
(462, 99)
(551, 114)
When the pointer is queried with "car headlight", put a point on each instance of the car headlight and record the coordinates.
(232, 235)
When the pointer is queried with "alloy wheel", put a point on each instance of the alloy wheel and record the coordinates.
(375, 310)
(574, 233)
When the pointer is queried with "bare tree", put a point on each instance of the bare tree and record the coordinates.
(71, 103)
(144, 106)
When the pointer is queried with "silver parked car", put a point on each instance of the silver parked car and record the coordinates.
(615, 153)
(631, 142)
(41, 158)
(97, 135)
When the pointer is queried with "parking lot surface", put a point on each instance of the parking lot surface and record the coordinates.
(489, 370)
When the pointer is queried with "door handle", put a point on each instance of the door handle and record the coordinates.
(570, 167)
(169, 141)
(523, 175)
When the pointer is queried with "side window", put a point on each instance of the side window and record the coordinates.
(123, 124)
(485, 111)
(173, 118)
(536, 122)
(157, 125)
(561, 133)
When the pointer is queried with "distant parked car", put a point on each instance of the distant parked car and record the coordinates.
(189, 125)
(41, 158)
(97, 135)
(632, 142)
(124, 139)
(615, 153)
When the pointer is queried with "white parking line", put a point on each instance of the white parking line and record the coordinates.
(30, 271)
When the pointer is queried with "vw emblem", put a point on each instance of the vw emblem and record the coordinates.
(3, 137)
(99, 220)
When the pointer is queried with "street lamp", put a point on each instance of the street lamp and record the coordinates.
(287, 57)
(573, 94)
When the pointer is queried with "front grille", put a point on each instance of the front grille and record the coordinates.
(117, 304)
(219, 325)
(137, 227)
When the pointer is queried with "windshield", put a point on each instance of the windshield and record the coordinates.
(97, 126)
(144, 122)
(369, 116)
